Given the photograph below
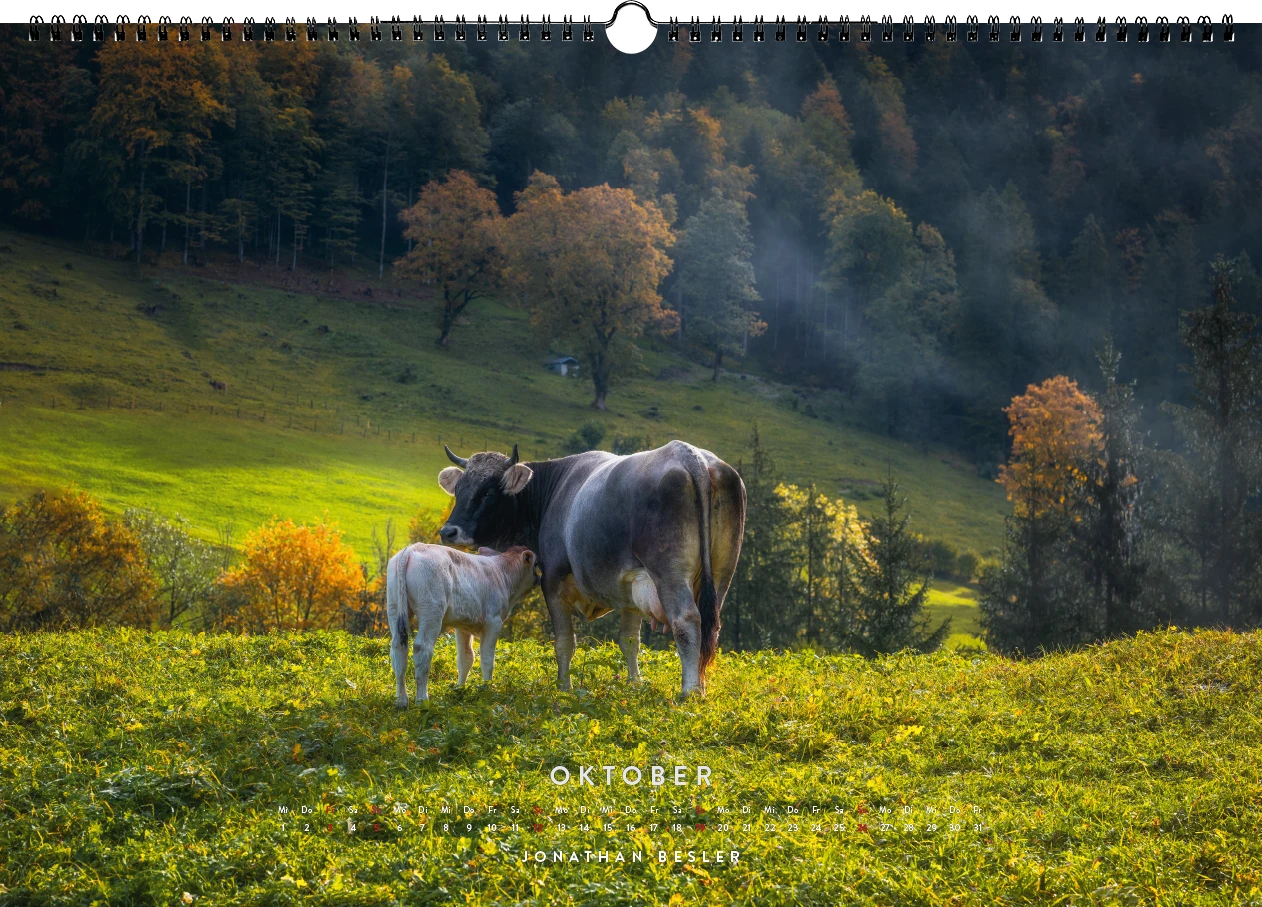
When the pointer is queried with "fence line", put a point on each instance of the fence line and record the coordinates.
(364, 427)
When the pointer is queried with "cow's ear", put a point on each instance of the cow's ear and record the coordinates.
(515, 478)
(449, 477)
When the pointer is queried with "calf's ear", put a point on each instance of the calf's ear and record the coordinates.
(487, 552)
(449, 477)
(515, 478)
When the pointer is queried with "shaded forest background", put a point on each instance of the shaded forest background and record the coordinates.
(1005, 206)
(933, 230)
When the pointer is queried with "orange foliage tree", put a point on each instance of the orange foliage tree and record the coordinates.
(455, 231)
(294, 578)
(63, 565)
(587, 265)
(1055, 430)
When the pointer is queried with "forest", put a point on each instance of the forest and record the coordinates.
(1040, 257)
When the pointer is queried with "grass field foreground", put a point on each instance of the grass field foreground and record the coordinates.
(136, 767)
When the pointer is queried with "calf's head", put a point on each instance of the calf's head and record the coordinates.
(485, 486)
(524, 560)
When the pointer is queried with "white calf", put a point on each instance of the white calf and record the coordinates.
(473, 593)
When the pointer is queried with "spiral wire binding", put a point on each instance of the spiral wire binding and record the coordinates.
(143, 29)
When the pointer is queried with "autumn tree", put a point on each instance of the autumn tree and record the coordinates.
(716, 272)
(1055, 430)
(457, 243)
(827, 540)
(587, 265)
(293, 578)
(155, 112)
(1034, 599)
(64, 564)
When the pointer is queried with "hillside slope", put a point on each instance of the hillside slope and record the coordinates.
(136, 767)
(230, 402)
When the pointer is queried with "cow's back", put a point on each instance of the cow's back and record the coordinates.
(622, 499)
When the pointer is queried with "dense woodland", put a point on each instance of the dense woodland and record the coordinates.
(937, 231)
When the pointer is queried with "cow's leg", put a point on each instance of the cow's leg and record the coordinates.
(629, 642)
(464, 655)
(429, 627)
(562, 627)
(685, 624)
(486, 649)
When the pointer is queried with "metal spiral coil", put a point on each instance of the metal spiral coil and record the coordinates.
(735, 25)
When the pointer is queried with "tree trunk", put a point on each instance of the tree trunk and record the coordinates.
(201, 224)
(409, 206)
(188, 221)
(385, 184)
(293, 264)
(679, 307)
(600, 379)
(140, 216)
(775, 338)
(718, 360)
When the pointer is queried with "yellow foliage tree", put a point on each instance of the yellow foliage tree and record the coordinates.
(64, 565)
(424, 526)
(1055, 429)
(829, 538)
(455, 230)
(294, 578)
(587, 264)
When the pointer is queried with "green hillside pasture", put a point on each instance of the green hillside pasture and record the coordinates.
(106, 379)
(136, 767)
(959, 603)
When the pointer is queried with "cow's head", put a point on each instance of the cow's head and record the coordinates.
(484, 486)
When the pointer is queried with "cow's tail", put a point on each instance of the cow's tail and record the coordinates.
(708, 600)
(397, 606)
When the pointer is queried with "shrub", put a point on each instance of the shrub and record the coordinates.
(293, 578)
(629, 444)
(63, 564)
(184, 568)
(587, 437)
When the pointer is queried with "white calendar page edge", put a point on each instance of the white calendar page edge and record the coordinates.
(342, 10)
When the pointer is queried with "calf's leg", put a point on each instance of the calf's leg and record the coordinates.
(399, 661)
(464, 655)
(486, 650)
(429, 625)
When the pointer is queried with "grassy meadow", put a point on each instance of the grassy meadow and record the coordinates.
(330, 400)
(138, 767)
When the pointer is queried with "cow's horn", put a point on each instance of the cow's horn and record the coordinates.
(459, 461)
(512, 461)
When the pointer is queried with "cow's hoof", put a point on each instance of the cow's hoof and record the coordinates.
(400, 704)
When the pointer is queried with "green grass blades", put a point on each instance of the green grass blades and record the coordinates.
(229, 403)
(135, 767)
